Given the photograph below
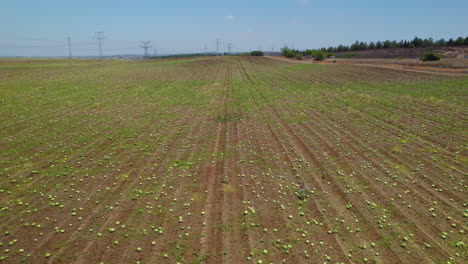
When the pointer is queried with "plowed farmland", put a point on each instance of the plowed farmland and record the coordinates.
(230, 160)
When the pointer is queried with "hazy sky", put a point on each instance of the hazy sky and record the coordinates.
(41, 28)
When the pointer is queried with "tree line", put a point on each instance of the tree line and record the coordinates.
(321, 54)
(317, 54)
(415, 43)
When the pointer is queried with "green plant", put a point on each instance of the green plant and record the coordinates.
(348, 55)
(287, 52)
(319, 55)
(257, 53)
(284, 51)
(308, 53)
(302, 193)
(430, 56)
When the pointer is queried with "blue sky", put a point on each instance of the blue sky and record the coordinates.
(41, 28)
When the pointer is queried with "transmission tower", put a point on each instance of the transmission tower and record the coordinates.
(229, 46)
(206, 50)
(155, 52)
(99, 36)
(217, 46)
(146, 47)
(69, 48)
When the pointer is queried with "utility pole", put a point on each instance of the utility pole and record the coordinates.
(146, 47)
(155, 52)
(99, 37)
(229, 46)
(69, 48)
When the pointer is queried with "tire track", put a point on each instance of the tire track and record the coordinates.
(211, 241)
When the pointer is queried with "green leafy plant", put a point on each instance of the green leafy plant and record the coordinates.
(319, 55)
(430, 56)
(257, 53)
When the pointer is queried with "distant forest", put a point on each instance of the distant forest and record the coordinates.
(416, 42)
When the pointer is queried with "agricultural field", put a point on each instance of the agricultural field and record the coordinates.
(230, 160)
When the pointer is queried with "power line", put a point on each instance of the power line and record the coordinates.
(99, 36)
(229, 46)
(155, 52)
(146, 47)
(69, 48)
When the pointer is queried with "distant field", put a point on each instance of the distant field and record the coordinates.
(230, 160)
(460, 64)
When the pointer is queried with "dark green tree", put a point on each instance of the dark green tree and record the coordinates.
(441, 43)
(450, 42)
(401, 44)
(430, 42)
(378, 45)
(362, 45)
(355, 45)
(459, 41)
(417, 42)
(387, 44)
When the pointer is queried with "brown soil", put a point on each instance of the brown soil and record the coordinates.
(274, 163)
